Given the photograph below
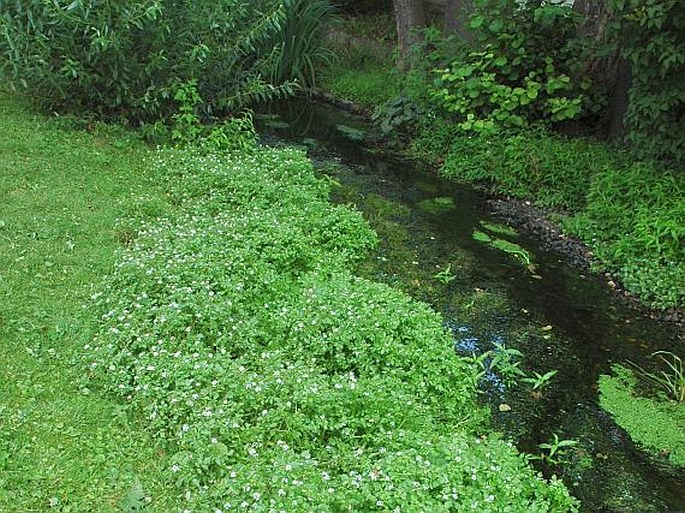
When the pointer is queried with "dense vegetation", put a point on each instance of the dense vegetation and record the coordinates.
(126, 60)
(278, 379)
(266, 374)
(494, 111)
(257, 371)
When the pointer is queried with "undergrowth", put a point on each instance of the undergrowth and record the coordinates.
(630, 213)
(278, 380)
(360, 77)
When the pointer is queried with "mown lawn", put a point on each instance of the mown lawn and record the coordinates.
(64, 447)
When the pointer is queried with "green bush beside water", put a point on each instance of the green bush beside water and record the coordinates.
(278, 379)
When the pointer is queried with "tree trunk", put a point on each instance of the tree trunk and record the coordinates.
(618, 102)
(410, 16)
(456, 19)
(610, 72)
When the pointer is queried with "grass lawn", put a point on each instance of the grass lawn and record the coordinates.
(62, 447)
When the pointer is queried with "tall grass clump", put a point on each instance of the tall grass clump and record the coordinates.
(276, 378)
(123, 59)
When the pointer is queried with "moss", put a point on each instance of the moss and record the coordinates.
(657, 426)
(383, 207)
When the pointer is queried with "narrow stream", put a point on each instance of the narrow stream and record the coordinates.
(556, 317)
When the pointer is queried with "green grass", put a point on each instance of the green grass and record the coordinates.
(63, 447)
(370, 85)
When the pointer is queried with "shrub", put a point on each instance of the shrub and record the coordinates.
(526, 71)
(119, 59)
(278, 380)
(633, 221)
(652, 38)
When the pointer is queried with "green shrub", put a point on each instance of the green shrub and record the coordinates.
(276, 378)
(652, 38)
(526, 71)
(634, 223)
(120, 59)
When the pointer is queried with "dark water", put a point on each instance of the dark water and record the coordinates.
(556, 317)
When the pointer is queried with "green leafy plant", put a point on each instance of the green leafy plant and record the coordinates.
(124, 60)
(398, 114)
(539, 381)
(235, 133)
(671, 381)
(651, 38)
(502, 359)
(555, 451)
(522, 75)
(445, 276)
(186, 126)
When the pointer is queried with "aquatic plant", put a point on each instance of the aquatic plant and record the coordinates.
(657, 426)
(672, 382)
(445, 276)
(555, 450)
(540, 380)
(508, 247)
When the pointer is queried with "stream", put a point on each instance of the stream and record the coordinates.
(498, 290)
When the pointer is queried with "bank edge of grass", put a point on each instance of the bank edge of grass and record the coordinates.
(63, 447)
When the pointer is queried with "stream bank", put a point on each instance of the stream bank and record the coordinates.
(558, 319)
(536, 223)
